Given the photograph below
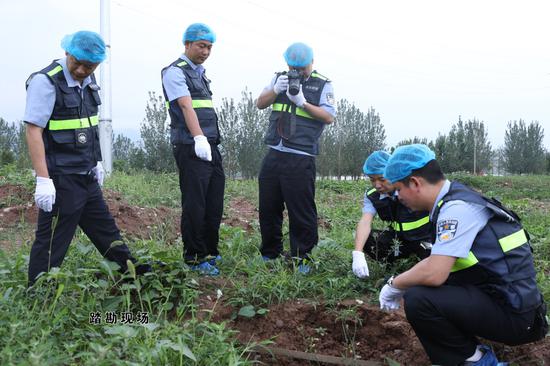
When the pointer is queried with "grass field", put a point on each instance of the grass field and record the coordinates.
(159, 317)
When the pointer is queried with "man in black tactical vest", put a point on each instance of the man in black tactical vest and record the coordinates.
(195, 136)
(479, 280)
(302, 102)
(61, 117)
(408, 233)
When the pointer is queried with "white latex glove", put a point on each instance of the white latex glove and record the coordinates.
(359, 265)
(297, 99)
(281, 85)
(202, 148)
(44, 194)
(99, 173)
(390, 297)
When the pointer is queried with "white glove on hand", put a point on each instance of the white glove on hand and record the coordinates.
(281, 85)
(44, 194)
(99, 173)
(202, 148)
(390, 297)
(297, 99)
(359, 265)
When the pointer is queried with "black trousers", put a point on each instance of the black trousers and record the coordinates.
(79, 202)
(202, 186)
(287, 179)
(447, 320)
(384, 245)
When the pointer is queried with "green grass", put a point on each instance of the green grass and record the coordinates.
(50, 324)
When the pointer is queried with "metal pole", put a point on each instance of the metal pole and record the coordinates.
(105, 111)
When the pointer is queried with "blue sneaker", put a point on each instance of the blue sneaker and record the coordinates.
(206, 268)
(215, 261)
(265, 258)
(304, 268)
(489, 358)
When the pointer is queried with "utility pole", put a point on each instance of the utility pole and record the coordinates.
(105, 110)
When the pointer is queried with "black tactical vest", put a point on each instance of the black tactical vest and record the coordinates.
(500, 261)
(410, 226)
(304, 134)
(201, 95)
(71, 137)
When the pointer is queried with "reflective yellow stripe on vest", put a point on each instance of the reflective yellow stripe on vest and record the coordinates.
(316, 75)
(371, 191)
(72, 124)
(279, 107)
(463, 263)
(203, 103)
(197, 104)
(513, 241)
(407, 226)
(54, 71)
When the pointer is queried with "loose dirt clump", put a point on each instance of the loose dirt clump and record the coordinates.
(143, 222)
(351, 329)
(241, 213)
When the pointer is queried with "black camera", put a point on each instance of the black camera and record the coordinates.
(294, 81)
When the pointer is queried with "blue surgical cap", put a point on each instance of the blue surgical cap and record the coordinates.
(298, 55)
(405, 159)
(198, 32)
(85, 46)
(376, 163)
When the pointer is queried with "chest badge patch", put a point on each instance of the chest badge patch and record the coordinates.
(82, 139)
(446, 229)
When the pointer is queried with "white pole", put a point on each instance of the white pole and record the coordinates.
(105, 111)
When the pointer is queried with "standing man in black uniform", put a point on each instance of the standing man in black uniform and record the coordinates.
(195, 137)
(408, 232)
(479, 280)
(302, 102)
(61, 117)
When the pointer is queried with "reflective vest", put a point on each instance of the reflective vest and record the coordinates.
(71, 136)
(303, 131)
(410, 226)
(201, 95)
(500, 261)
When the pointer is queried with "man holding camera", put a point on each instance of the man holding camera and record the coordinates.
(302, 102)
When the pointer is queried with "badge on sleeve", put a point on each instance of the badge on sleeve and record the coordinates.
(330, 99)
(446, 229)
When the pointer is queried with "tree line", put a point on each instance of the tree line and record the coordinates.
(344, 144)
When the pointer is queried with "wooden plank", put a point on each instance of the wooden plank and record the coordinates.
(334, 360)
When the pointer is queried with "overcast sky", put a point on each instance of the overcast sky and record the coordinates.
(420, 64)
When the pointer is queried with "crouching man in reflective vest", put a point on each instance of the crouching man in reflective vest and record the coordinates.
(479, 279)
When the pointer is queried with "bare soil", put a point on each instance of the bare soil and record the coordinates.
(352, 329)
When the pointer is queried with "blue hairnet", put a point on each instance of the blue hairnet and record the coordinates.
(85, 46)
(376, 163)
(298, 55)
(198, 32)
(405, 159)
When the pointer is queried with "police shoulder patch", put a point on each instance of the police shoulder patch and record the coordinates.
(446, 229)
(330, 98)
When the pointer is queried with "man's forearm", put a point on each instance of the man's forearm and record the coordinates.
(36, 150)
(266, 98)
(318, 112)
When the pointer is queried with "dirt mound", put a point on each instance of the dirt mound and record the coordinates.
(241, 213)
(352, 329)
(143, 222)
(17, 207)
